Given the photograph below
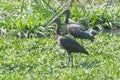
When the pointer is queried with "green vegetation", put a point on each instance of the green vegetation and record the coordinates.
(28, 49)
(24, 18)
(40, 58)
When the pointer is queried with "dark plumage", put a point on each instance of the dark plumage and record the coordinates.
(68, 44)
(77, 30)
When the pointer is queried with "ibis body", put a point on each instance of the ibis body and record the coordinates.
(67, 43)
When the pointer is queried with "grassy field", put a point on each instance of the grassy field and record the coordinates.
(43, 59)
(29, 51)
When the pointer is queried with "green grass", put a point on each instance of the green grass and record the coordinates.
(42, 58)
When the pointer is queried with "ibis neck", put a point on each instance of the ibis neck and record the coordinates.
(57, 28)
(67, 18)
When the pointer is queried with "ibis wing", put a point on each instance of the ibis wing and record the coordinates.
(71, 45)
(77, 26)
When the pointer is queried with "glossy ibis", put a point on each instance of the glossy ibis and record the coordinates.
(67, 43)
(77, 30)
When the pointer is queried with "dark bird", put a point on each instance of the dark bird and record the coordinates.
(67, 43)
(77, 30)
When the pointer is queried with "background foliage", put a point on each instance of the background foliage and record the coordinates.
(29, 17)
(28, 49)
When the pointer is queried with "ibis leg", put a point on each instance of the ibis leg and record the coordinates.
(71, 60)
(81, 41)
(68, 59)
